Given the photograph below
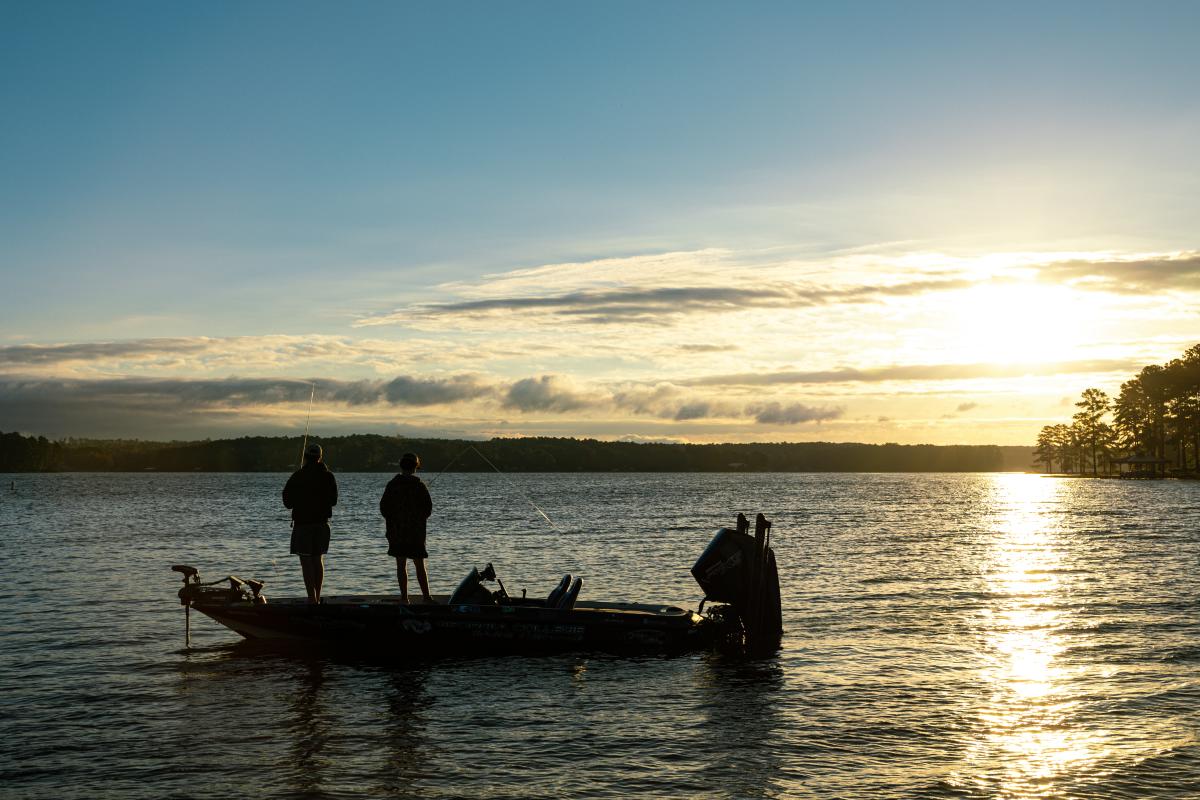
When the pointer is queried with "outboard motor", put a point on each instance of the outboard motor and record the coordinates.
(739, 569)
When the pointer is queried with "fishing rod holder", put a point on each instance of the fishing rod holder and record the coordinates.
(240, 586)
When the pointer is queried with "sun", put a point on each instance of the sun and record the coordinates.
(1018, 323)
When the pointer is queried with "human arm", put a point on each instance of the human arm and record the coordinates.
(385, 502)
(289, 492)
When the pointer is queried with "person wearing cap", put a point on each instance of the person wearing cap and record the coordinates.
(406, 506)
(311, 493)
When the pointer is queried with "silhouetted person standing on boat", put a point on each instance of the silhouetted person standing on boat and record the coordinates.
(311, 493)
(406, 506)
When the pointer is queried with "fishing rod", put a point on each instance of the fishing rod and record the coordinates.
(304, 445)
(536, 507)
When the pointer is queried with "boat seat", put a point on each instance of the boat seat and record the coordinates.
(571, 595)
(471, 591)
(555, 596)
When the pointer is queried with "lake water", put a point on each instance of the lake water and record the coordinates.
(947, 636)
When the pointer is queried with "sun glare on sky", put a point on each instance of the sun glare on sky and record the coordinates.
(1019, 323)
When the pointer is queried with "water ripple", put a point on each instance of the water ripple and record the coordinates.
(948, 636)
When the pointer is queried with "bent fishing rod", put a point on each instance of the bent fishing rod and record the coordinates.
(304, 444)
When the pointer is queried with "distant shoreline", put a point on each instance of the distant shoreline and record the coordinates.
(377, 453)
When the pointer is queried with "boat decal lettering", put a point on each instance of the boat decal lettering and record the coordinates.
(525, 632)
(721, 567)
(417, 626)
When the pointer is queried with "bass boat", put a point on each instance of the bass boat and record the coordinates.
(737, 573)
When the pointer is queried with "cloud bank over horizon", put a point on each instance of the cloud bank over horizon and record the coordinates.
(841, 355)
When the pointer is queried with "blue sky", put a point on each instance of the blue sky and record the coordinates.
(260, 180)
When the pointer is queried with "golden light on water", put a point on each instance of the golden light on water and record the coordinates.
(1028, 714)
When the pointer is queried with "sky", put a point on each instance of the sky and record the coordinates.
(680, 221)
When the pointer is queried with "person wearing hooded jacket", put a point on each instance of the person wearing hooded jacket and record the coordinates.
(406, 506)
(311, 493)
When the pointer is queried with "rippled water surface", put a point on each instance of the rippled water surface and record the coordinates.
(947, 636)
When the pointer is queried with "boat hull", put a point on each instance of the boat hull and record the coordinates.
(379, 625)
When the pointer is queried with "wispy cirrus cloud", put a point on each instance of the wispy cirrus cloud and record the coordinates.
(198, 351)
(637, 304)
(660, 288)
(913, 372)
(38, 354)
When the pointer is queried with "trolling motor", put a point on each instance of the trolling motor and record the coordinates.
(739, 569)
(194, 590)
(191, 577)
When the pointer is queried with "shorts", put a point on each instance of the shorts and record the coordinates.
(407, 545)
(310, 539)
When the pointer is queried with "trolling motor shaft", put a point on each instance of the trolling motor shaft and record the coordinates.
(185, 598)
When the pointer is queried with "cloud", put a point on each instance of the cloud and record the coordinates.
(667, 401)
(631, 304)
(207, 354)
(693, 410)
(545, 393)
(88, 351)
(966, 407)
(38, 354)
(915, 372)
(242, 392)
(1130, 276)
(406, 390)
(792, 414)
(658, 304)
(660, 400)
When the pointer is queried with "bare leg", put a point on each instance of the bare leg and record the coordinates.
(402, 576)
(422, 578)
(306, 568)
(318, 576)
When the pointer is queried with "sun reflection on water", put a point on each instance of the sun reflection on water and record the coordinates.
(1027, 717)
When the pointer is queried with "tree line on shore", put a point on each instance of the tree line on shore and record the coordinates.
(1153, 425)
(377, 453)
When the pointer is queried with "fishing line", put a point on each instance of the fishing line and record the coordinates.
(518, 489)
(448, 465)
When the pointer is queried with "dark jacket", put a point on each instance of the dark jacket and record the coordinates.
(406, 505)
(311, 493)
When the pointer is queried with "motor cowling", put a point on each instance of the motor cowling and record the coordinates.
(722, 568)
